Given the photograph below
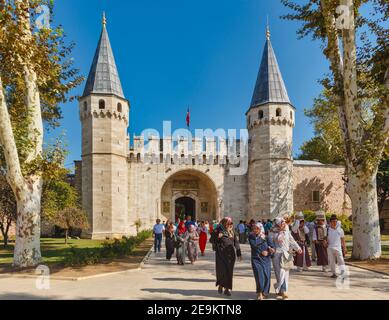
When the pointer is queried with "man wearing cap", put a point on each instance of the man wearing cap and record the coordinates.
(320, 240)
(300, 233)
(336, 246)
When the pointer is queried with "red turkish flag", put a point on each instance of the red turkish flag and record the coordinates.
(188, 118)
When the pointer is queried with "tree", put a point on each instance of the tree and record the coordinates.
(35, 77)
(326, 146)
(57, 196)
(7, 208)
(359, 86)
(383, 183)
(71, 217)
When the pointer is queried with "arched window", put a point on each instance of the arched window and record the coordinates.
(101, 104)
(278, 112)
(260, 114)
(248, 120)
(291, 115)
(120, 107)
(85, 106)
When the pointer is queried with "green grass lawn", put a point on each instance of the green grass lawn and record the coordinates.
(53, 250)
(385, 251)
(383, 238)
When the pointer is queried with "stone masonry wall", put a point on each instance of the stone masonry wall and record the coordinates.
(325, 179)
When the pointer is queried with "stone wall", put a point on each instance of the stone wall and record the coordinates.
(270, 193)
(151, 185)
(328, 181)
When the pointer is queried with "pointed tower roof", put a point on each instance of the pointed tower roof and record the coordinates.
(103, 76)
(270, 86)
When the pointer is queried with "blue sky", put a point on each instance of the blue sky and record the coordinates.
(202, 53)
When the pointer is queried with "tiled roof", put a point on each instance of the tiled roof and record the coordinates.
(270, 86)
(103, 76)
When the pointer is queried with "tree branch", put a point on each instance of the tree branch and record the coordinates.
(7, 140)
(336, 63)
(32, 91)
(351, 102)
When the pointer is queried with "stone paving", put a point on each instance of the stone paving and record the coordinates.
(160, 279)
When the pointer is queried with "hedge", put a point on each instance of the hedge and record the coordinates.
(109, 250)
(347, 224)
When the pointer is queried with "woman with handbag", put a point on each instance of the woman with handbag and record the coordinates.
(283, 242)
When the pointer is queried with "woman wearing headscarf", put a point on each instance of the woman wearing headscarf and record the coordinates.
(300, 233)
(227, 249)
(203, 232)
(283, 242)
(192, 239)
(169, 241)
(179, 243)
(261, 260)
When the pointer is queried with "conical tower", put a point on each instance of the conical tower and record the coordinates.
(104, 115)
(270, 121)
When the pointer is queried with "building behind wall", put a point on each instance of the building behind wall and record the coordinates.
(124, 182)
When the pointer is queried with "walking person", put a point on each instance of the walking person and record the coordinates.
(169, 241)
(282, 241)
(337, 248)
(179, 243)
(261, 261)
(227, 249)
(203, 233)
(158, 231)
(320, 240)
(311, 226)
(241, 228)
(192, 240)
(300, 233)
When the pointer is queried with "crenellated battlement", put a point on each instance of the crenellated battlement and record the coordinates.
(207, 151)
(274, 121)
(84, 115)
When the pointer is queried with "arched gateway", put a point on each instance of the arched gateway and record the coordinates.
(189, 192)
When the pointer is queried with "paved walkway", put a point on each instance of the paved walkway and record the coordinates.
(160, 279)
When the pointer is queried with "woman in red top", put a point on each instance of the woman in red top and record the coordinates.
(203, 232)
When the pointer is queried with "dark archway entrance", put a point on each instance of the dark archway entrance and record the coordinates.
(185, 206)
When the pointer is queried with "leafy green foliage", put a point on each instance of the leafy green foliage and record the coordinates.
(49, 55)
(362, 154)
(109, 251)
(347, 224)
(8, 209)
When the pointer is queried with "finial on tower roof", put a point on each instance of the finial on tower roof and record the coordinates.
(104, 19)
(267, 29)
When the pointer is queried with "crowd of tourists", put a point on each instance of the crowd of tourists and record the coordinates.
(281, 245)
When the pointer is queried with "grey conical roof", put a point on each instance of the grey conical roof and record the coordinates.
(270, 86)
(103, 76)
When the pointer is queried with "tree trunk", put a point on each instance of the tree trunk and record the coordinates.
(27, 251)
(5, 236)
(366, 226)
(66, 236)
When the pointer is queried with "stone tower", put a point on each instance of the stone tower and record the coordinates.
(270, 121)
(104, 117)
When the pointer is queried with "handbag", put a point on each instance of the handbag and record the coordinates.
(287, 263)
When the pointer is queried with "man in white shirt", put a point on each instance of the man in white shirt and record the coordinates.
(336, 246)
(158, 234)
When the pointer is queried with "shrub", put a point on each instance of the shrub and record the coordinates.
(347, 224)
(109, 250)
